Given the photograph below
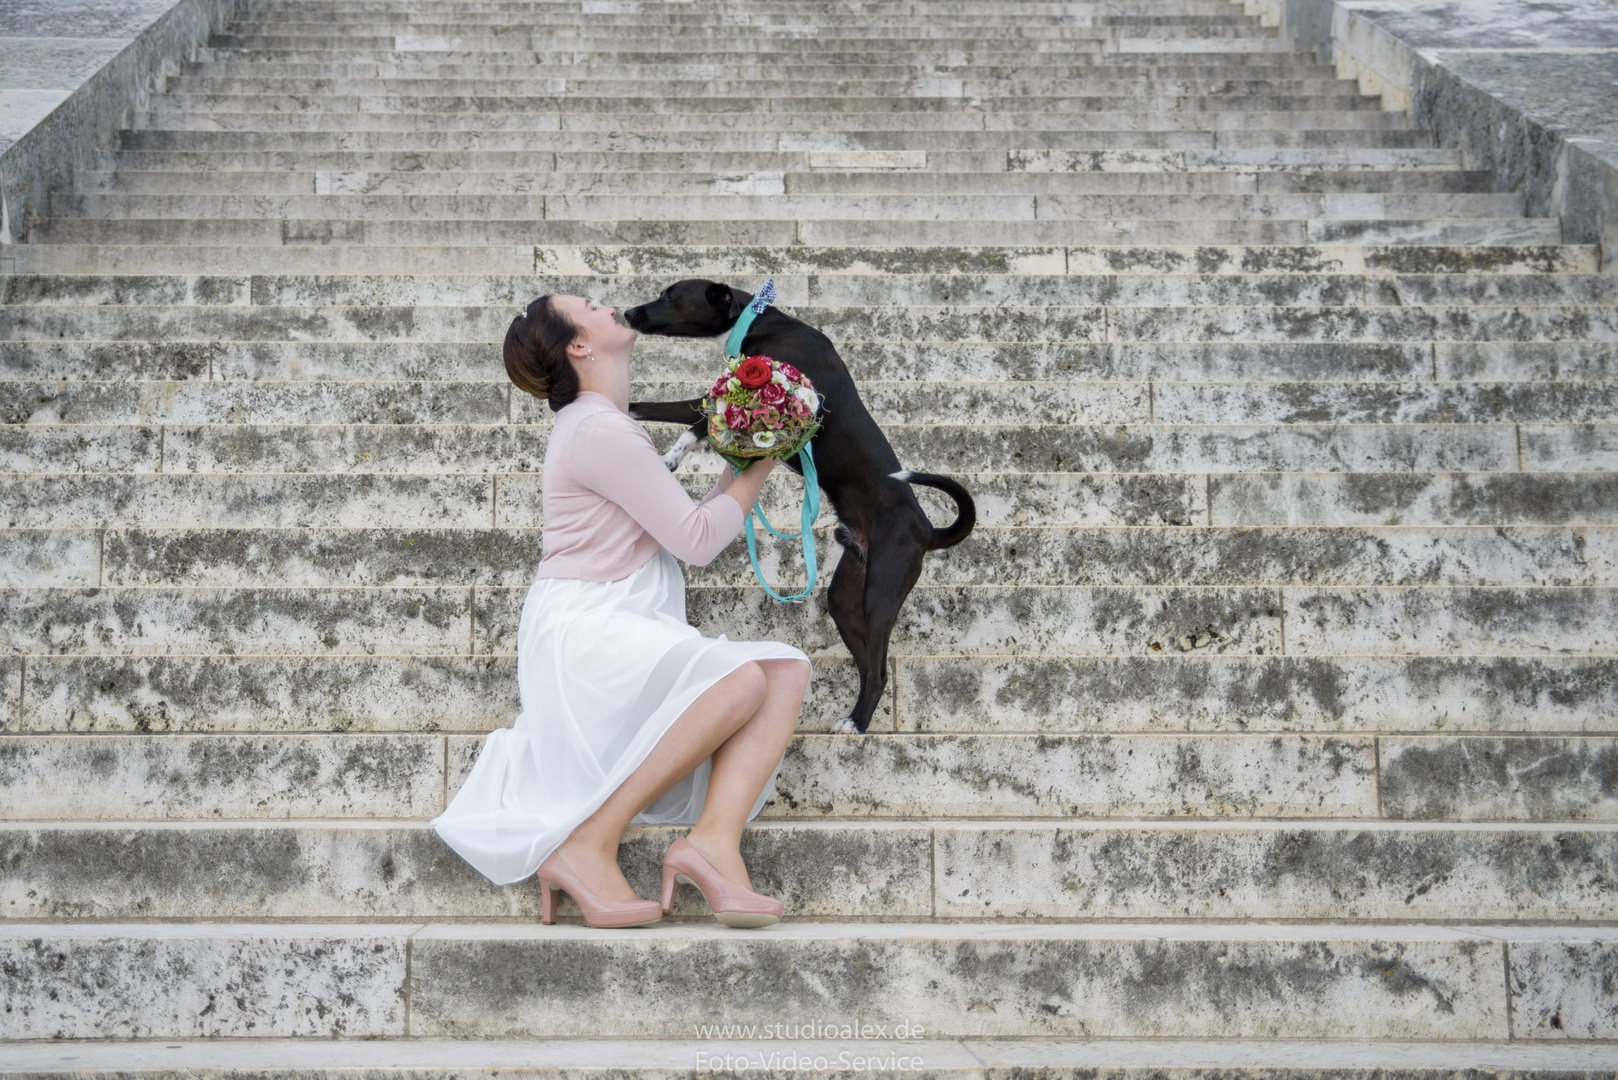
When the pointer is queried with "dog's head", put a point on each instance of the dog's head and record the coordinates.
(691, 308)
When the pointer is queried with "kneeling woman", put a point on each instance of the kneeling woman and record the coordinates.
(629, 715)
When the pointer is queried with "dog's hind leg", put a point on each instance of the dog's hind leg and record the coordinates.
(845, 602)
(891, 572)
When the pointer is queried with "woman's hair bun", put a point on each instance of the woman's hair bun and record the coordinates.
(536, 353)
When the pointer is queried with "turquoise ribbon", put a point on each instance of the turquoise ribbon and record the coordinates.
(806, 458)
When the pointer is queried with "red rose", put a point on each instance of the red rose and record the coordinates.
(754, 372)
(736, 418)
(791, 373)
(772, 393)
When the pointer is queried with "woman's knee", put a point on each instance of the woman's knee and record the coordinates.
(749, 684)
(786, 678)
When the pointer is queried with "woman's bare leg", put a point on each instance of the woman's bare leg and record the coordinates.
(743, 764)
(591, 849)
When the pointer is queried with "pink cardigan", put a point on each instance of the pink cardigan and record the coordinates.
(609, 502)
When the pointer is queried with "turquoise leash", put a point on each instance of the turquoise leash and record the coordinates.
(806, 458)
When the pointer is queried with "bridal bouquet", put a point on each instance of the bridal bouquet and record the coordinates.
(760, 408)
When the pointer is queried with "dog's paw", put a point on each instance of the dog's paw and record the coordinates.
(677, 452)
(846, 726)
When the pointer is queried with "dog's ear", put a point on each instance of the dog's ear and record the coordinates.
(723, 298)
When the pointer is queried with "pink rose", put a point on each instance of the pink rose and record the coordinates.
(721, 386)
(772, 393)
(791, 373)
(736, 418)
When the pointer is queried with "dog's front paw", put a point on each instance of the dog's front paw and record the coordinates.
(677, 452)
(846, 726)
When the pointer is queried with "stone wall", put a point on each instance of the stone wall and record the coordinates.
(72, 72)
(1528, 91)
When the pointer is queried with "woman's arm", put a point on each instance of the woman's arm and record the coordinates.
(614, 456)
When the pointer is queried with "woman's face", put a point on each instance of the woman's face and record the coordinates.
(597, 327)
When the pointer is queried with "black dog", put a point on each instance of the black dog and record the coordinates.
(880, 523)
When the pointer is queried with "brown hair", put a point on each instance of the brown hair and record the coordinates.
(536, 353)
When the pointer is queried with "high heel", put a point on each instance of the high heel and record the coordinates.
(554, 874)
(734, 905)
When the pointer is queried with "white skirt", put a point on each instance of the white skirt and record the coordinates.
(604, 668)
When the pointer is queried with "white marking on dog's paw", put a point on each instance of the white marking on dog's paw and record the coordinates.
(678, 451)
(845, 726)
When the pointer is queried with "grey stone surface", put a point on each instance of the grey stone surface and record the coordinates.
(1564, 989)
(1528, 777)
(181, 982)
(1011, 981)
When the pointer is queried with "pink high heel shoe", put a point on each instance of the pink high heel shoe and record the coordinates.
(598, 910)
(734, 905)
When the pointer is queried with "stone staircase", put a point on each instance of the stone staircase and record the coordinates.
(1272, 700)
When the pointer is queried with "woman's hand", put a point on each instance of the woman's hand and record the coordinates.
(745, 486)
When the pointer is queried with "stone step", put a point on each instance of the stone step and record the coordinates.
(743, 11)
(919, 42)
(1343, 164)
(1170, 691)
(646, 1059)
(944, 97)
(862, 295)
(1067, 403)
(1032, 69)
(1215, 776)
(833, 83)
(796, 182)
(925, 869)
(499, 980)
(1001, 555)
(957, 620)
(766, 23)
(853, 326)
(76, 259)
(477, 361)
(382, 500)
(1073, 126)
(663, 139)
(418, 449)
(377, 232)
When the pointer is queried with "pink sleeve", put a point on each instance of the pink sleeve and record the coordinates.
(613, 455)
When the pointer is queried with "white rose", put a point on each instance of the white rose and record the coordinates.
(808, 397)
(764, 439)
(779, 379)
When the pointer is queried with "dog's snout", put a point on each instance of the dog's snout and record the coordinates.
(632, 317)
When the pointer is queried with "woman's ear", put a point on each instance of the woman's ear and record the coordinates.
(578, 350)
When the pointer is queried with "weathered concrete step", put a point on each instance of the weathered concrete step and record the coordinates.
(418, 449)
(1170, 691)
(1033, 68)
(802, 102)
(963, 291)
(718, 263)
(630, 230)
(1316, 981)
(768, 180)
(562, 26)
(215, 776)
(1046, 555)
(1073, 125)
(355, 402)
(129, 163)
(958, 620)
(644, 1059)
(671, 359)
(832, 82)
(918, 42)
(1056, 870)
(852, 326)
(881, 137)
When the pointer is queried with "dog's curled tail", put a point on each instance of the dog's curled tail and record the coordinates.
(966, 511)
